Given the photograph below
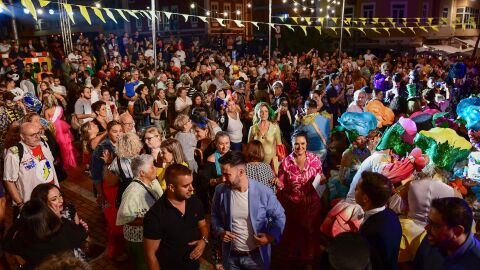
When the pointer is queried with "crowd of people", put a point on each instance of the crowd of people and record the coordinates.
(314, 160)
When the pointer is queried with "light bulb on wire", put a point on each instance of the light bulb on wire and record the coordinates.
(98, 5)
(207, 13)
(304, 8)
(192, 5)
(295, 9)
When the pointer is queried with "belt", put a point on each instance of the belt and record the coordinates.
(244, 253)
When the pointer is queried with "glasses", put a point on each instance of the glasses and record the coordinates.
(147, 139)
(128, 124)
(38, 134)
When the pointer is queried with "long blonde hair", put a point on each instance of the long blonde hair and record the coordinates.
(129, 145)
(173, 146)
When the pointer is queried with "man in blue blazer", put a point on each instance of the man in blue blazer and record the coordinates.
(246, 216)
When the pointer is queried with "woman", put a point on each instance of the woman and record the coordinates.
(51, 195)
(141, 108)
(111, 107)
(268, 133)
(160, 111)
(172, 152)
(234, 126)
(213, 171)
(153, 140)
(171, 96)
(284, 119)
(198, 103)
(91, 137)
(39, 232)
(187, 139)
(205, 131)
(258, 170)
(183, 102)
(300, 200)
(358, 103)
(100, 110)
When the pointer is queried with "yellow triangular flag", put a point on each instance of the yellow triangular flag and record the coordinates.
(430, 20)
(322, 20)
(308, 20)
(289, 26)
(474, 25)
(239, 23)
(255, 24)
(400, 30)
(355, 22)
(335, 20)
(319, 28)
(394, 24)
(334, 30)
(374, 20)
(84, 12)
(110, 14)
(457, 20)
(295, 19)
(43, 3)
(374, 29)
(220, 21)
(272, 25)
(4, 7)
(348, 31)
(434, 28)
(99, 14)
(443, 20)
(362, 30)
(304, 28)
(185, 16)
(390, 20)
(364, 23)
(412, 29)
(387, 30)
(282, 18)
(203, 18)
(122, 14)
(423, 28)
(131, 13)
(383, 23)
(348, 20)
(68, 9)
(404, 20)
(167, 14)
(453, 25)
(464, 26)
(29, 5)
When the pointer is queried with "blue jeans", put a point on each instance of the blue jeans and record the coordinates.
(249, 262)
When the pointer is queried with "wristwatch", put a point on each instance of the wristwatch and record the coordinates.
(205, 239)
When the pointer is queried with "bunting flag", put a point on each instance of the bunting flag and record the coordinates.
(322, 20)
(435, 28)
(423, 28)
(417, 21)
(167, 14)
(404, 21)
(387, 30)
(122, 14)
(29, 5)
(400, 30)
(84, 12)
(203, 18)
(430, 20)
(239, 23)
(110, 14)
(374, 20)
(411, 29)
(131, 13)
(99, 14)
(185, 16)
(308, 20)
(374, 29)
(282, 19)
(43, 3)
(272, 25)
(304, 28)
(4, 7)
(68, 9)
(295, 19)
(364, 23)
(464, 26)
(390, 20)
(220, 21)
(355, 22)
(361, 30)
(319, 28)
(453, 25)
(334, 30)
(335, 20)
(383, 23)
(256, 25)
(348, 20)
(348, 31)
(289, 26)
(147, 14)
(443, 20)
(474, 25)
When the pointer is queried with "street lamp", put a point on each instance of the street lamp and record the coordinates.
(40, 11)
(98, 5)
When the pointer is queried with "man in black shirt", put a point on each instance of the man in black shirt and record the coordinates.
(174, 229)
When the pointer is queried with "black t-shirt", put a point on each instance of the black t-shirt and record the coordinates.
(165, 222)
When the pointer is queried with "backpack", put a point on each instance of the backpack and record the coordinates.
(122, 184)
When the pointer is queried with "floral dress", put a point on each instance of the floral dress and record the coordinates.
(302, 205)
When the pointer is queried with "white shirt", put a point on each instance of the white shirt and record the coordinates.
(372, 212)
(234, 129)
(180, 105)
(83, 106)
(27, 87)
(94, 96)
(181, 55)
(241, 224)
(60, 89)
(149, 53)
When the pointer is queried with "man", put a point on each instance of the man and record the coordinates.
(58, 88)
(126, 120)
(277, 93)
(380, 225)
(97, 90)
(139, 196)
(336, 96)
(83, 106)
(450, 243)
(174, 229)
(28, 164)
(219, 80)
(246, 215)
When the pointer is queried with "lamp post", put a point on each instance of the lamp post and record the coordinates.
(269, 29)
(14, 23)
(341, 32)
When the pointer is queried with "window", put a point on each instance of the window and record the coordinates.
(445, 12)
(139, 24)
(348, 12)
(227, 9)
(465, 15)
(238, 7)
(165, 22)
(368, 11)
(425, 12)
(399, 11)
(214, 13)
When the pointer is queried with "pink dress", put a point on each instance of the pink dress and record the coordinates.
(64, 139)
(302, 206)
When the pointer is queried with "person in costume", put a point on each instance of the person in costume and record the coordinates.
(397, 88)
(460, 87)
(414, 103)
(358, 103)
(384, 115)
(296, 192)
(317, 127)
(381, 79)
(10, 112)
(357, 127)
(265, 130)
